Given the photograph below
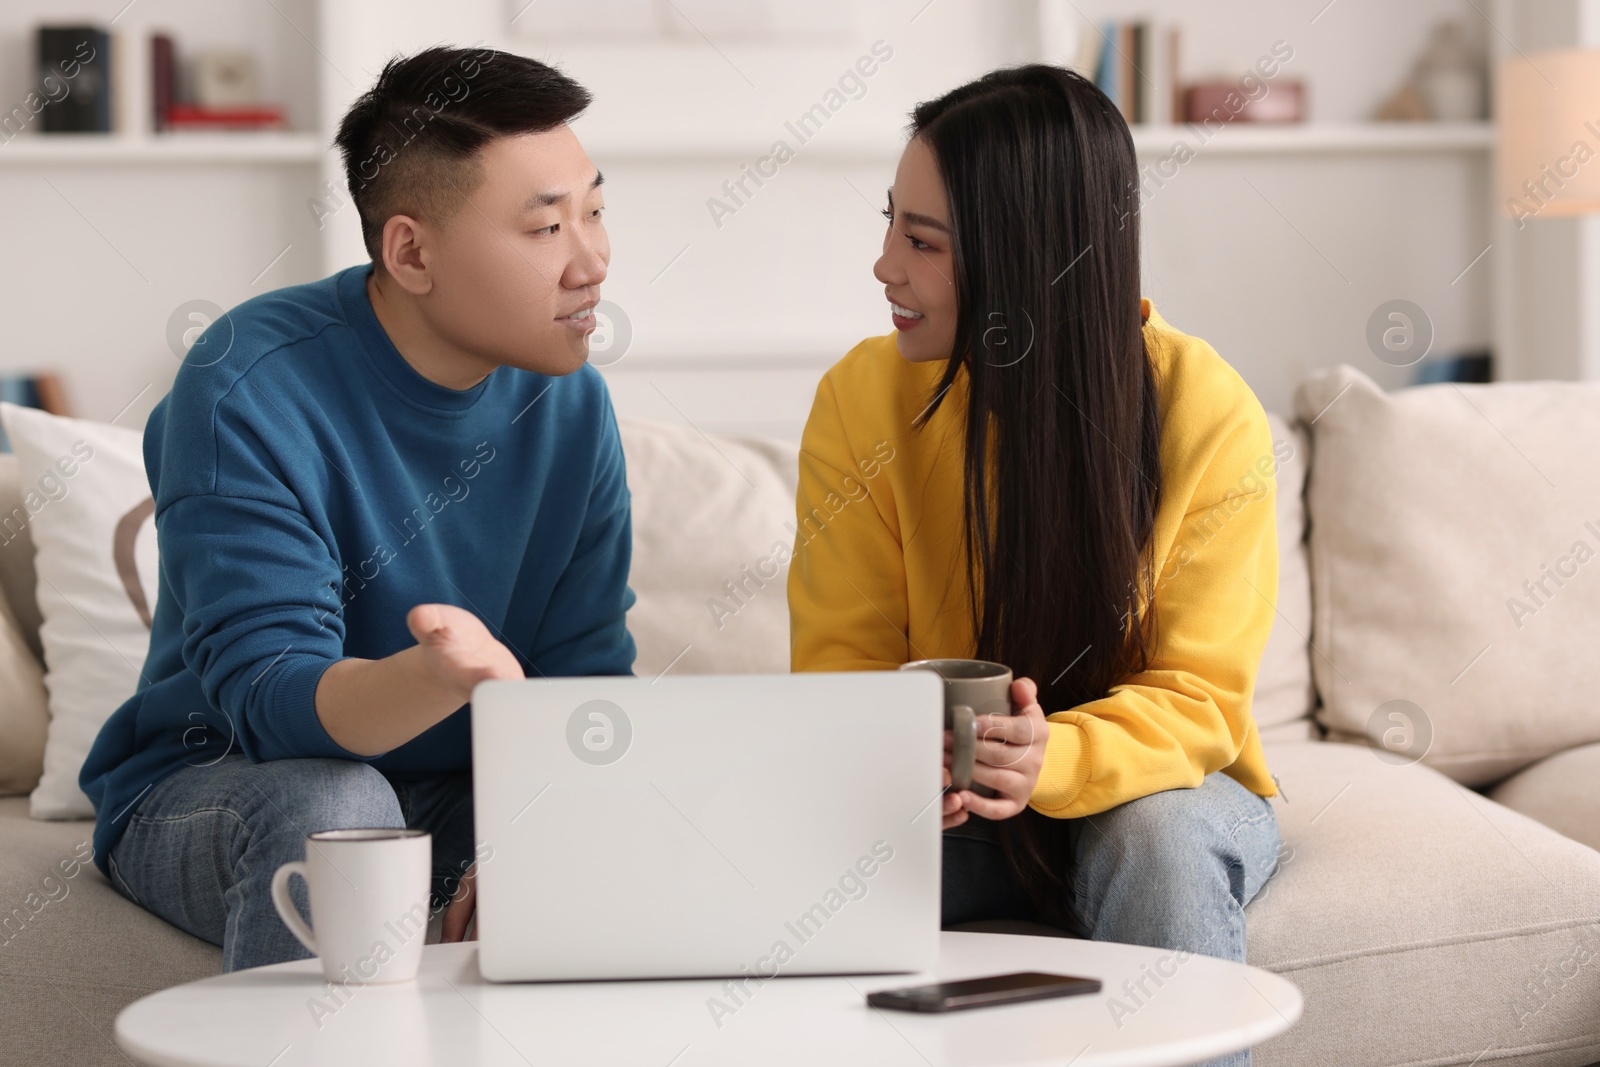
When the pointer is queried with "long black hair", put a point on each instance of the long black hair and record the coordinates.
(1042, 184)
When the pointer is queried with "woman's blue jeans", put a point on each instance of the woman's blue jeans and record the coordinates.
(1171, 870)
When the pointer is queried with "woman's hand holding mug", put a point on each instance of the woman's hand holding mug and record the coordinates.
(1009, 756)
(995, 734)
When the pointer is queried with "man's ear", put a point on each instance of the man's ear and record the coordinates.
(406, 256)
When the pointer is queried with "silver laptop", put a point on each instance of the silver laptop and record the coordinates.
(707, 826)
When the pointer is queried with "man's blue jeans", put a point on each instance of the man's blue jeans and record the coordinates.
(201, 847)
(1170, 870)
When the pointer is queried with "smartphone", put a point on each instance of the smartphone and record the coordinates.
(983, 992)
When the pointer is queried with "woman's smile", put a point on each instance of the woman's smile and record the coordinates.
(904, 318)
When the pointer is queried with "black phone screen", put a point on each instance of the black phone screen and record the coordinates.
(981, 992)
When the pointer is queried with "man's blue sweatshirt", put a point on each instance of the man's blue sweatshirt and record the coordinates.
(311, 488)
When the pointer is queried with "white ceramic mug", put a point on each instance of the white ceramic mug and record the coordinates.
(369, 893)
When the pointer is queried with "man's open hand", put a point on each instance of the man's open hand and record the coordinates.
(458, 649)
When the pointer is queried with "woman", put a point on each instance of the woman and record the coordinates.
(1035, 468)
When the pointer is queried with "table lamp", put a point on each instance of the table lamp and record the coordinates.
(1547, 118)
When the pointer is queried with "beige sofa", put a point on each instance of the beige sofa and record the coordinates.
(1426, 923)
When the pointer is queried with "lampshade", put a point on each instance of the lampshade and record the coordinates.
(1547, 114)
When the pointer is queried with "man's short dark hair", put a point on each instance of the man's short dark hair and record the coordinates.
(410, 143)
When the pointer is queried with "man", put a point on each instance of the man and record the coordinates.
(397, 482)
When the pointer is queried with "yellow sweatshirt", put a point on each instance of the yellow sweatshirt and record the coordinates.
(877, 577)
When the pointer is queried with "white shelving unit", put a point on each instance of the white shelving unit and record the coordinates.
(162, 149)
(1237, 138)
(305, 148)
(1245, 138)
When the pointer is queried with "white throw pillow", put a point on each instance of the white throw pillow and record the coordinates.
(88, 503)
(1284, 695)
(713, 528)
(1455, 561)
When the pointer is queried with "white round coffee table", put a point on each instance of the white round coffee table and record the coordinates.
(1151, 1011)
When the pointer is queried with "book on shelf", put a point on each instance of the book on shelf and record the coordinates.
(175, 113)
(42, 391)
(74, 78)
(163, 79)
(190, 117)
(1132, 61)
(1465, 367)
(1137, 67)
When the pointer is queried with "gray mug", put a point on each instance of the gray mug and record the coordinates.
(972, 687)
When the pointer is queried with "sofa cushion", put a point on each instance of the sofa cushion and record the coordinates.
(1560, 792)
(713, 525)
(1285, 695)
(17, 577)
(1455, 560)
(73, 951)
(723, 606)
(24, 712)
(85, 488)
(1424, 923)
(24, 709)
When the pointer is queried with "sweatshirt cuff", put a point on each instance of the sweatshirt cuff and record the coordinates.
(1065, 770)
(295, 693)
